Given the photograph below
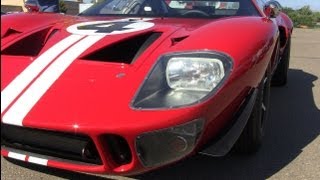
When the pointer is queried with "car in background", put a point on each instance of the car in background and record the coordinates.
(128, 86)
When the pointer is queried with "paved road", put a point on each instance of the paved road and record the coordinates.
(291, 148)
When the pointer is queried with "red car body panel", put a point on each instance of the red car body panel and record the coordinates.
(89, 97)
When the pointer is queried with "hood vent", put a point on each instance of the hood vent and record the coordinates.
(30, 45)
(50, 34)
(9, 32)
(176, 40)
(125, 51)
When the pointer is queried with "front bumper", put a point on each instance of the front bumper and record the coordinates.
(111, 153)
(107, 159)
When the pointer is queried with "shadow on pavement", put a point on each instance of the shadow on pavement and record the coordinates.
(294, 123)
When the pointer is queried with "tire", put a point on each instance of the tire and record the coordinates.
(251, 138)
(281, 74)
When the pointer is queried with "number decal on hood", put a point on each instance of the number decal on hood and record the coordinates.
(110, 27)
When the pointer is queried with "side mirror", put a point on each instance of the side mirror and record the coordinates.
(32, 6)
(272, 9)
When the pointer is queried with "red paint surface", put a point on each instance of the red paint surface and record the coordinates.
(89, 95)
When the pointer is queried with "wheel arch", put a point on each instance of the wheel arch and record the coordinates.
(284, 36)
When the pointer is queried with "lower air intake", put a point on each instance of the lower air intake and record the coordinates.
(56, 144)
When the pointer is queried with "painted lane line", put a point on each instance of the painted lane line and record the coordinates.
(32, 95)
(12, 91)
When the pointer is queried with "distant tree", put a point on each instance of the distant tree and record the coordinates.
(62, 7)
(288, 10)
(317, 14)
(303, 16)
(305, 10)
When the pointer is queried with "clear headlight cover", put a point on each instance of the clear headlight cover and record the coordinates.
(182, 79)
(194, 73)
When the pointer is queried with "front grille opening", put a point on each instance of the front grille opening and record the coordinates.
(28, 46)
(126, 51)
(55, 144)
(118, 148)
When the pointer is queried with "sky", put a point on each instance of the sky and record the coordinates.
(314, 4)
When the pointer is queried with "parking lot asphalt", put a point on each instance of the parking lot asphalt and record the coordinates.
(291, 148)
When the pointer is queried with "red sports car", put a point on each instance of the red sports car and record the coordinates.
(128, 86)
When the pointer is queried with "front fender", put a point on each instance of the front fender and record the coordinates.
(286, 27)
(250, 41)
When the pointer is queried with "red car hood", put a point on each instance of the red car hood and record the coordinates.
(70, 82)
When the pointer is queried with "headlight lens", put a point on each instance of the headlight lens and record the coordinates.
(193, 73)
(182, 79)
(168, 145)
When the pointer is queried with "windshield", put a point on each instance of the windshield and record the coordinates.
(174, 8)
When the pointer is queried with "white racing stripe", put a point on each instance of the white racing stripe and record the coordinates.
(18, 156)
(12, 91)
(36, 160)
(32, 95)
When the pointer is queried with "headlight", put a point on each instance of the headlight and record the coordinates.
(168, 145)
(182, 79)
(194, 74)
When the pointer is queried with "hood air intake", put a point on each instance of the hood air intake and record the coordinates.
(125, 51)
(30, 45)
